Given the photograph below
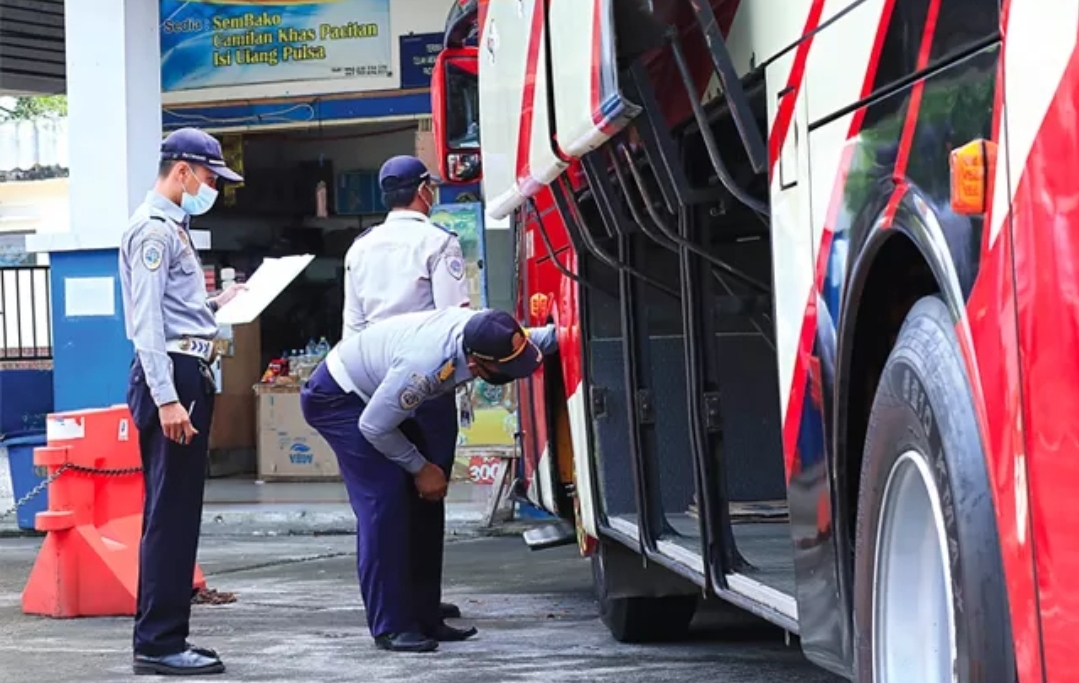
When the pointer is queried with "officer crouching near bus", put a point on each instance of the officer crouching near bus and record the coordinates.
(170, 393)
(362, 399)
(404, 265)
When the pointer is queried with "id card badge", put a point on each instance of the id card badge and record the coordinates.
(465, 414)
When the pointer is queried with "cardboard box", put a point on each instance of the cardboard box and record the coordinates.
(288, 449)
(240, 364)
(238, 438)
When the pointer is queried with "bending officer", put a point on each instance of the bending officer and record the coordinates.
(170, 393)
(361, 399)
(404, 265)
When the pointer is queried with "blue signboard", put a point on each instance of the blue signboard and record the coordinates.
(207, 43)
(418, 54)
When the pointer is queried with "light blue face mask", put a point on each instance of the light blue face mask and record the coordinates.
(200, 203)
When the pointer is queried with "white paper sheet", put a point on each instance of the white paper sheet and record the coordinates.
(89, 296)
(264, 285)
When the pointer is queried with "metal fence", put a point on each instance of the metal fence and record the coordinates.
(25, 314)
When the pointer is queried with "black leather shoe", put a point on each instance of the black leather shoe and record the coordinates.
(448, 634)
(204, 651)
(448, 610)
(406, 642)
(186, 663)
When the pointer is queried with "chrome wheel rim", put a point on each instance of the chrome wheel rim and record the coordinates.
(913, 611)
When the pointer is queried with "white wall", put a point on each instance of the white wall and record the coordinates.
(35, 206)
(406, 16)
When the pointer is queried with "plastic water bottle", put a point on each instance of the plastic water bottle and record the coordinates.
(323, 347)
(312, 347)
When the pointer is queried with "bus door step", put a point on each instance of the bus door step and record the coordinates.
(550, 535)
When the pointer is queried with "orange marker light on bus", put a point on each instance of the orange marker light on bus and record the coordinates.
(539, 308)
(973, 167)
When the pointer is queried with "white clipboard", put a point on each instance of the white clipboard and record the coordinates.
(264, 285)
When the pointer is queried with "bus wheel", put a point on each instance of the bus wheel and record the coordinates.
(929, 592)
(638, 619)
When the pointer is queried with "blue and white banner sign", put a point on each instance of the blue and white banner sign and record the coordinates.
(224, 43)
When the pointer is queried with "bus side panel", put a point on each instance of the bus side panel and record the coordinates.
(545, 489)
(574, 451)
(517, 152)
(548, 466)
(589, 108)
(1041, 73)
(856, 158)
(531, 406)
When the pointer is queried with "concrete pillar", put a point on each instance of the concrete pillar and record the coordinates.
(114, 118)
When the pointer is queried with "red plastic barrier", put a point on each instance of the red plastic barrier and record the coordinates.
(89, 562)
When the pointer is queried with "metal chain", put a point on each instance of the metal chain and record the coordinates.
(37, 490)
(113, 472)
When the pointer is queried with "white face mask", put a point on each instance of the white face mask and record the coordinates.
(199, 203)
(431, 193)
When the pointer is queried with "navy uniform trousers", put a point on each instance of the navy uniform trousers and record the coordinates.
(175, 478)
(399, 536)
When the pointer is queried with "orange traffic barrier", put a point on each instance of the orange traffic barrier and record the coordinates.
(89, 562)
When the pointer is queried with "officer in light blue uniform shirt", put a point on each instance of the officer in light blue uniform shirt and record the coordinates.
(407, 263)
(404, 265)
(363, 399)
(171, 324)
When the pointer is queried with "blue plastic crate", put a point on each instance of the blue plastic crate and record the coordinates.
(24, 477)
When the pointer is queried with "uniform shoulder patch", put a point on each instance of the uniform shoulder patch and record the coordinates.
(421, 387)
(456, 266)
(409, 399)
(153, 253)
(421, 384)
(455, 259)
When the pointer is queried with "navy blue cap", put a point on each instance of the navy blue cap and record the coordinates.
(401, 172)
(495, 336)
(197, 147)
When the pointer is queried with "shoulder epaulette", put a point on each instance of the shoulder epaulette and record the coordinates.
(444, 228)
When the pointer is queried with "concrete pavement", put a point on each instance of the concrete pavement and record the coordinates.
(298, 619)
(288, 508)
(247, 506)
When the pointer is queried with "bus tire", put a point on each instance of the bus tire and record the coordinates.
(641, 619)
(927, 550)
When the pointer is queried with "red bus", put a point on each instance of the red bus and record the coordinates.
(812, 268)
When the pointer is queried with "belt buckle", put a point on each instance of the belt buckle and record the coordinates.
(206, 350)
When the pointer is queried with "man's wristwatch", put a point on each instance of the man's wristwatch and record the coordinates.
(213, 305)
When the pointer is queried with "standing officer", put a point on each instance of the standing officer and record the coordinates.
(171, 323)
(409, 264)
(360, 400)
